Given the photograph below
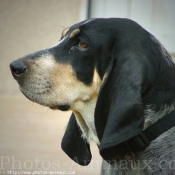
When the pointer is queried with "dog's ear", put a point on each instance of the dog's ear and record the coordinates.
(119, 109)
(74, 145)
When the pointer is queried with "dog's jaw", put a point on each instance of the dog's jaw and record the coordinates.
(84, 113)
(84, 110)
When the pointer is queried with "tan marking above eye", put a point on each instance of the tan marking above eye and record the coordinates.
(75, 32)
(82, 45)
(65, 32)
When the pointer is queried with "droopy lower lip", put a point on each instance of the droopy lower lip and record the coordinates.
(25, 95)
(53, 107)
(64, 107)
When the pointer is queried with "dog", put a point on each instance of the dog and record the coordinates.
(119, 83)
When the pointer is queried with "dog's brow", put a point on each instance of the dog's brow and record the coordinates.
(65, 32)
(74, 32)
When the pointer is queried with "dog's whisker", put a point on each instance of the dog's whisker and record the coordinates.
(40, 92)
(52, 93)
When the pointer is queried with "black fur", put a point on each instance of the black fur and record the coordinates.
(139, 73)
(76, 147)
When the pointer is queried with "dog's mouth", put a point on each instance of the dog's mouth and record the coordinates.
(25, 94)
(40, 91)
(63, 107)
(34, 95)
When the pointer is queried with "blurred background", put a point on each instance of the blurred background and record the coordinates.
(30, 135)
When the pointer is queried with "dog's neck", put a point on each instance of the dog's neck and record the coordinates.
(84, 112)
(151, 116)
(162, 99)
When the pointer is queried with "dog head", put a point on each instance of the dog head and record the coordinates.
(113, 60)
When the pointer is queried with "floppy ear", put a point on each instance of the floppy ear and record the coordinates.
(119, 109)
(74, 145)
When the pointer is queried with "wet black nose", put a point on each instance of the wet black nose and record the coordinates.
(18, 68)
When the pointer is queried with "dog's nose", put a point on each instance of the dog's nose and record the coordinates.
(18, 68)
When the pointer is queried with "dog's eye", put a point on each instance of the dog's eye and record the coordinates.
(82, 44)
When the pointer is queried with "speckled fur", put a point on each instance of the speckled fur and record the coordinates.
(157, 159)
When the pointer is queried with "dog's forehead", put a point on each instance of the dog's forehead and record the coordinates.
(65, 32)
(70, 32)
(75, 29)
